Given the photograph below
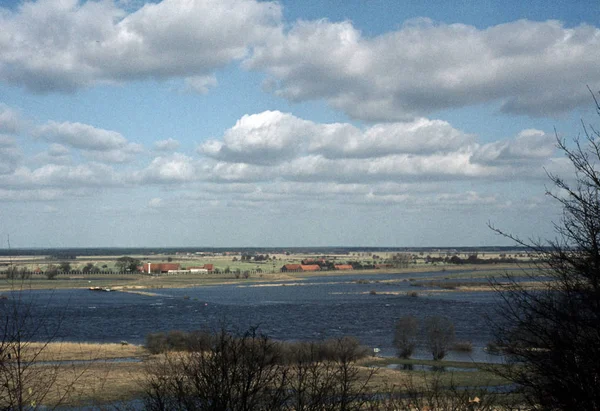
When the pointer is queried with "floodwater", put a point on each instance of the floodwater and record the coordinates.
(312, 309)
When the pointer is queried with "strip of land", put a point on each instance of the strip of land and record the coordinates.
(137, 282)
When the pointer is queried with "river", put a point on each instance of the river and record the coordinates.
(312, 309)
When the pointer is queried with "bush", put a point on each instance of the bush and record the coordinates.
(51, 273)
(287, 352)
(175, 340)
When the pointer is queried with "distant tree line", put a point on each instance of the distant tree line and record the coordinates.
(471, 259)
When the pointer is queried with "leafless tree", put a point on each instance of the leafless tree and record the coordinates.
(439, 336)
(552, 335)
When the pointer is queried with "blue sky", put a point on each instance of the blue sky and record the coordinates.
(251, 123)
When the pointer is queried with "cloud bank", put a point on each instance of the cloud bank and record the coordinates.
(527, 67)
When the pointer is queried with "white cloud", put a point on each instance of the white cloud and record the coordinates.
(123, 154)
(272, 137)
(533, 68)
(277, 146)
(417, 137)
(81, 136)
(57, 175)
(10, 154)
(58, 150)
(56, 154)
(526, 146)
(63, 45)
(400, 167)
(201, 84)
(169, 144)
(10, 120)
(174, 169)
(265, 138)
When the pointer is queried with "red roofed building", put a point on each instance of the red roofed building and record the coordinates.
(310, 267)
(343, 267)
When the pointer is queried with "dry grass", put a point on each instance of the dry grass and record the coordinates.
(102, 382)
(93, 378)
(73, 351)
(97, 383)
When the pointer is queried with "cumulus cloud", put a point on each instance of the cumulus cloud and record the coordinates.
(416, 137)
(265, 138)
(533, 68)
(169, 144)
(81, 136)
(278, 146)
(53, 45)
(402, 167)
(57, 175)
(272, 137)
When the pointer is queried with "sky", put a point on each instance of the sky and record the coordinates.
(245, 123)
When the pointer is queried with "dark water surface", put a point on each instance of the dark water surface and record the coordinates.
(313, 309)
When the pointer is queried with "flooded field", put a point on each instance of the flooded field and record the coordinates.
(317, 308)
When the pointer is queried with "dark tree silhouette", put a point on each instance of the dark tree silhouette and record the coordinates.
(552, 335)
(439, 336)
(253, 372)
(405, 335)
